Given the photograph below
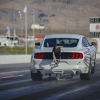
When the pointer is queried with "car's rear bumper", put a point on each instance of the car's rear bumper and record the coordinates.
(63, 67)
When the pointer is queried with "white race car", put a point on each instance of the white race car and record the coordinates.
(61, 54)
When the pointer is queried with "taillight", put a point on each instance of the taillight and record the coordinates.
(39, 56)
(77, 55)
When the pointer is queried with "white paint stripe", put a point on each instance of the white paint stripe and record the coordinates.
(71, 91)
(22, 81)
(78, 89)
(59, 96)
(16, 82)
(27, 80)
(30, 89)
(12, 72)
(11, 76)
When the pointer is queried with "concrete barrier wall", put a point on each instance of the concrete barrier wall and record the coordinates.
(14, 59)
(97, 56)
(11, 59)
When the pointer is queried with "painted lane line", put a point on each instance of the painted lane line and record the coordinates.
(21, 91)
(74, 90)
(15, 72)
(11, 76)
(28, 80)
(16, 82)
(22, 81)
(5, 75)
(58, 96)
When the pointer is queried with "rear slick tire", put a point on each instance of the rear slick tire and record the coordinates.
(36, 76)
(86, 76)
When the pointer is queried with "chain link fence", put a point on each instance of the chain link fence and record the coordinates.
(43, 32)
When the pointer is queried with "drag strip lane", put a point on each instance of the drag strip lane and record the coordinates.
(55, 88)
(78, 93)
(31, 89)
(15, 72)
(11, 74)
(27, 89)
(44, 88)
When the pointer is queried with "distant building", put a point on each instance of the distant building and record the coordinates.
(37, 26)
(8, 41)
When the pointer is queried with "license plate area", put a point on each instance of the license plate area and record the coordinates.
(57, 71)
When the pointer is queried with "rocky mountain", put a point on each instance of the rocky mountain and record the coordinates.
(53, 14)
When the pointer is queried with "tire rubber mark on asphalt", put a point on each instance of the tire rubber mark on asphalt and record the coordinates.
(16, 82)
(77, 89)
(2, 76)
(12, 72)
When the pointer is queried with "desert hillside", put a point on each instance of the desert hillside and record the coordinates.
(53, 14)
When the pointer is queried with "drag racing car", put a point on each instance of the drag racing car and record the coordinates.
(63, 54)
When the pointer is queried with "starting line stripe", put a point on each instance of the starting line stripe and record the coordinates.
(12, 72)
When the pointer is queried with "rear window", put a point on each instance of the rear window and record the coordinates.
(65, 42)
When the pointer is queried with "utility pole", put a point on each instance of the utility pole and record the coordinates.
(33, 14)
(14, 21)
(66, 18)
(25, 11)
(20, 16)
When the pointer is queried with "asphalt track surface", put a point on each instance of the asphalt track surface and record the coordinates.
(16, 84)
